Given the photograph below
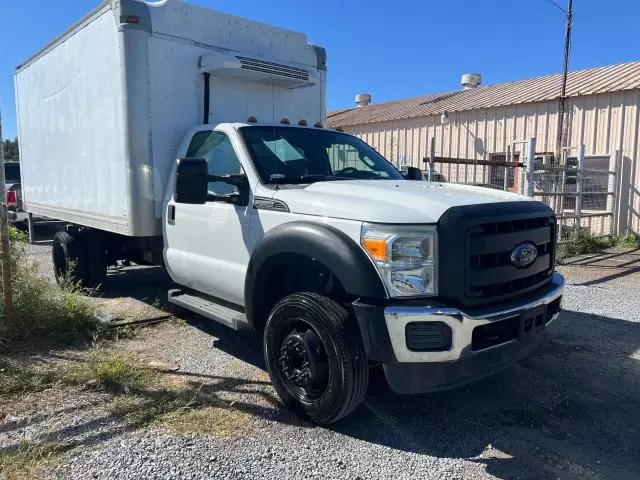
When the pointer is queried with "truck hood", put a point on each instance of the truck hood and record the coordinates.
(386, 201)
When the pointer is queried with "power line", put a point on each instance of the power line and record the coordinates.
(557, 6)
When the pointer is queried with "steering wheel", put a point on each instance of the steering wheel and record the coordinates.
(346, 171)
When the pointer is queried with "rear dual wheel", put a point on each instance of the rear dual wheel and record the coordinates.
(80, 257)
(315, 357)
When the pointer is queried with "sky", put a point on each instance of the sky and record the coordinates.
(390, 49)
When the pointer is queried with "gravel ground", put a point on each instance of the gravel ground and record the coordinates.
(569, 410)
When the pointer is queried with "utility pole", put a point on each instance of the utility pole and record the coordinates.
(5, 260)
(563, 89)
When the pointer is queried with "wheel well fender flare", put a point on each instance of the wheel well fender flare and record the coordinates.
(325, 244)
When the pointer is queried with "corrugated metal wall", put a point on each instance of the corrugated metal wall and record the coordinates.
(604, 123)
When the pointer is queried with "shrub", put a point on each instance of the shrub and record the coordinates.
(40, 306)
(17, 236)
(629, 240)
(581, 242)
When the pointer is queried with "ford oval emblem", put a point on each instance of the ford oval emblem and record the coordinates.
(524, 255)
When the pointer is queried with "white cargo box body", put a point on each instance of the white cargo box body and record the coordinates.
(102, 109)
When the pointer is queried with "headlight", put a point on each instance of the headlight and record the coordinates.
(405, 257)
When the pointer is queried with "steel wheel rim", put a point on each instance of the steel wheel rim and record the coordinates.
(303, 362)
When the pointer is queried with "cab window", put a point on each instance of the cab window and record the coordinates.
(216, 149)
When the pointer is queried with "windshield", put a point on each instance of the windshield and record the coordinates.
(301, 155)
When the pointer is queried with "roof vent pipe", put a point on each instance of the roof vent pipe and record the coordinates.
(470, 80)
(363, 99)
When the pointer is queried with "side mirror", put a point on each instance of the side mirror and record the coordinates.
(413, 173)
(191, 181)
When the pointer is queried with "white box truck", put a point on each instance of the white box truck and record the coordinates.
(165, 133)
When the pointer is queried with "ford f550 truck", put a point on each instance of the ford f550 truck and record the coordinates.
(165, 133)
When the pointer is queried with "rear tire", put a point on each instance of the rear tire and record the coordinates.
(85, 251)
(315, 357)
(69, 257)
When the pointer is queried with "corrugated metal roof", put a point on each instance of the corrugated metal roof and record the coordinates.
(624, 76)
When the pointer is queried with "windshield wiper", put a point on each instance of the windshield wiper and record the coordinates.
(320, 178)
(283, 179)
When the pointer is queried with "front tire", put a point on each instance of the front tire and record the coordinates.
(315, 357)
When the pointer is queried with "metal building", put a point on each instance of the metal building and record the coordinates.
(481, 123)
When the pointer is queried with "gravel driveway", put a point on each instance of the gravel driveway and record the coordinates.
(569, 410)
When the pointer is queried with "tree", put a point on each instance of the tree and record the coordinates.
(11, 150)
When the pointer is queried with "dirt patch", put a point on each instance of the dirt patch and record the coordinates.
(208, 420)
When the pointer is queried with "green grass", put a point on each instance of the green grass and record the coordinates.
(27, 460)
(139, 396)
(115, 373)
(17, 378)
(182, 410)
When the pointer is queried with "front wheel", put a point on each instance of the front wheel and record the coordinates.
(315, 357)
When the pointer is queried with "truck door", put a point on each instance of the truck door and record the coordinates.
(208, 245)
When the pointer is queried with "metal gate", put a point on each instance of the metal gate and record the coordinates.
(502, 171)
(581, 190)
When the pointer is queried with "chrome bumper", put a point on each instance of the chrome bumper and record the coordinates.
(460, 322)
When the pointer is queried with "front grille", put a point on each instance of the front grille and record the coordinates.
(491, 273)
(490, 260)
(476, 243)
(510, 226)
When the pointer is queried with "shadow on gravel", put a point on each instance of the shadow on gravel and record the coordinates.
(147, 284)
(125, 409)
(613, 264)
(150, 285)
(569, 410)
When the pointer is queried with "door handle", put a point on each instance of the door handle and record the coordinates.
(171, 215)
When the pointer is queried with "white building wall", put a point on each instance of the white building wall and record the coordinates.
(604, 123)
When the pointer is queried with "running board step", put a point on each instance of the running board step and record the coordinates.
(207, 307)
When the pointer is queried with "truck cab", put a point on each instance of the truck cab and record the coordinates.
(311, 237)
